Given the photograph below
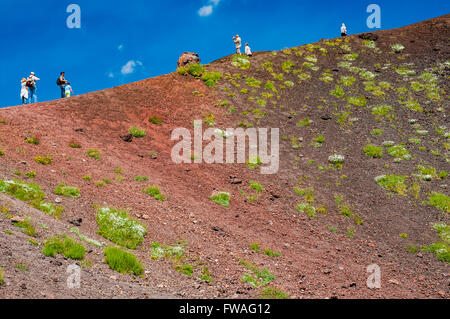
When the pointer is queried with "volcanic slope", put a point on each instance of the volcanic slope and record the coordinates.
(364, 153)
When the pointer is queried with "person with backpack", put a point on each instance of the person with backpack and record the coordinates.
(238, 43)
(24, 92)
(68, 89)
(31, 84)
(61, 82)
(343, 30)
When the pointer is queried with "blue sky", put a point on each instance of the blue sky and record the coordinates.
(126, 41)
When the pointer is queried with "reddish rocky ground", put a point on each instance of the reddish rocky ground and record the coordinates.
(322, 257)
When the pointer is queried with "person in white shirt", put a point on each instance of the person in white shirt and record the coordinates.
(343, 30)
(238, 43)
(31, 84)
(248, 51)
(24, 91)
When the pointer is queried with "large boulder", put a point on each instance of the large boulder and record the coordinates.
(368, 36)
(188, 58)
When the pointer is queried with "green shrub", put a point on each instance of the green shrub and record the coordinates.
(137, 132)
(221, 198)
(440, 201)
(117, 227)
(74, 144)
(257, 277)
(338, 92)
(399, 152)
(307, 209)
(2, 281)
(155, 119)
(27, 227)
(123, 261)
(141, 178)
(256, 186)
(47, 160)
(211, 78)
(185, 269)
(273, 293)
(65, 246)
(392, 183)
(241, 62)
(94, 154)
(373, 151)
(30, 193)
(154, 192)
(33, 140)
(30, 175)
(270, 253)
(67, 191)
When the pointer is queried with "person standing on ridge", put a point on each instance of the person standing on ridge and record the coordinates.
(24, 92)
(238, 43)
(61, 82)
(343, 30)
(31, 84)
(68, 89)
(248, 51)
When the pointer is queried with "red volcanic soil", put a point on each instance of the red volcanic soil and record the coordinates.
(315, 262)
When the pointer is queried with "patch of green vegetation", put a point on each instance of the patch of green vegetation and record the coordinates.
(307, 209)
(74, 144)
(271, 293)
(258, 277)
(373, 151)
(255, 247)
(155, 119)
(347, 80)
(209, 119)
(32, 194)
(241, 62)
(193, 69)
(116, 226)
(351, 56)
(2, 153)
(413, 105)
(187, 270)
(405, 71)
(122, 261)
(137, 132)
(377, 132)
(44, 160)
(394, 183)
(2, 281)
(441, 249)
(397, 48)
(174, 252)
(65, 246)
(154, 192)
(206, 275)
(338, 92)
(141, 178)
(32, 140)
(370, 44)
(256, 186)
(382, 110)
(67, 191)
(357, 100)
(211, 78)
(304, 123)
(221, 198)
(93, 154)
(427, 173)
(399, 152)
(27, 227)
(287, 65)
(271, 253)
(439, 201)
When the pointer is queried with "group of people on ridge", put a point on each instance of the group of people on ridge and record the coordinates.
(248, 52)
(28, 91)
(238, 42)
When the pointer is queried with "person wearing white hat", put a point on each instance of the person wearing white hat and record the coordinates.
(343, 30)
(31, 84)
(238, 42)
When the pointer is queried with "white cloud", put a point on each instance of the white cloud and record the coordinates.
(111, 75)
(130, 67)
(205, 11)
(215, 2)
(120, 47)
